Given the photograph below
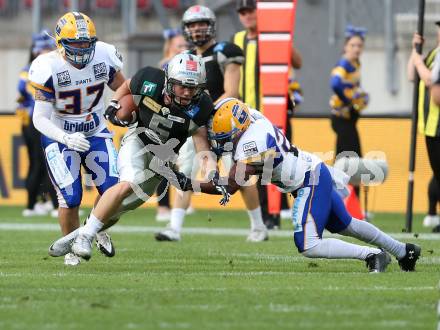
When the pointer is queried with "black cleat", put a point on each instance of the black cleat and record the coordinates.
(377, 263)
(408, 262)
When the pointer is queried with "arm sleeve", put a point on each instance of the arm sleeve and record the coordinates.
(42, 122)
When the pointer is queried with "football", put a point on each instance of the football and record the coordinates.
(128, 110)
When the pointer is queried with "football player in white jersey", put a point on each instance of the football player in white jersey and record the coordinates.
(69, 83)
(259, 148)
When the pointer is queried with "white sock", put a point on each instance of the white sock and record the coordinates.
(332, 248)
(256, 218)
(92, 227)
(177, 219)
(372, 235)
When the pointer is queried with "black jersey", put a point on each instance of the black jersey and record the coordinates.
(163, 122)
(216, 58)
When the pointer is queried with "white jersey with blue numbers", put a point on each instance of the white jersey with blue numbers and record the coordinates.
(261, 140)
(77, 94)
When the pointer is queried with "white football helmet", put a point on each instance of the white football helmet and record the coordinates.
(186, 70)
(199, 14)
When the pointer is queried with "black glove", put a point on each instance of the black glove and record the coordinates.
(221, 189)
(184, 182)
(110, 114)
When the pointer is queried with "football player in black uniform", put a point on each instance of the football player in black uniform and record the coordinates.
(172, 107)
(222, 61)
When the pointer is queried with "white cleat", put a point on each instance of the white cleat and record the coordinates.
(71, 260)
(169, 235)
(63, 245)
(82, 246)
(431, 221)
(259, 234)
(104, 244)
(35, 212)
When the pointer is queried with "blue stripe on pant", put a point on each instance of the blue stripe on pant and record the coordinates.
(317, 207)
(64, 167)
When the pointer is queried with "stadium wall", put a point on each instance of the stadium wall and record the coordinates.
(388, 135)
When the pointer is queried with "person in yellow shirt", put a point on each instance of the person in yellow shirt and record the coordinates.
(428, 120)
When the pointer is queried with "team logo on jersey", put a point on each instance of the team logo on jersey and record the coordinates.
(64, 78)
(165, 111)
(148, 88)
(100, 70)
(250, 149)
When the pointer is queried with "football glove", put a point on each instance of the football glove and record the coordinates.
(76, 141)
(110, 114)
(221, 189)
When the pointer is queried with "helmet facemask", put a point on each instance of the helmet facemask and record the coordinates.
(199, 36)
(198, 14)
(185, 74)
(76, 55)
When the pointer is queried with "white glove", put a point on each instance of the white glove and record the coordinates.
(76, 141)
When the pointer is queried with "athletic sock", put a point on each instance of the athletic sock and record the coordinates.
(332, 248)
(177, 219)
(92, 226)
(256, 218)
(370, 234)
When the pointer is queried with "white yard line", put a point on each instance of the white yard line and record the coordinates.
(128, 229)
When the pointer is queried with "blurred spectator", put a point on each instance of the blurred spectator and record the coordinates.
(250, 92)
(428, 119)
(174, 44)
(37, 180)
(348, 99)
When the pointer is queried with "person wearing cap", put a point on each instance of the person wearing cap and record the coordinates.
(37, 180)
(428, 117)
(249, 89)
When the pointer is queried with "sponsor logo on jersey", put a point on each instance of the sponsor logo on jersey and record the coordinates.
(148, 88)
(152, 104)
(100, 71)
(193, 110)
(165, 111)
(250, 149)
(64, 78)
(176, 119)
(91, 123)
(191, 65)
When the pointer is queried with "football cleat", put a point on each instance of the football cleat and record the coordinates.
(258, 235)
(168, 235)
(408, 262)
(63, 245)
(431, 221)
(82, 246)
(71, 260)
(377, 263)
(104, 244)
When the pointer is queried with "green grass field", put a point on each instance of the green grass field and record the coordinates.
(207, 281)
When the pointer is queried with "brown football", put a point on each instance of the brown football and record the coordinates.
(128, 110)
